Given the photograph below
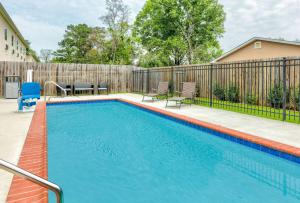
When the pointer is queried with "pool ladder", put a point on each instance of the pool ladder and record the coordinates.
(33, 178)
(54, 83)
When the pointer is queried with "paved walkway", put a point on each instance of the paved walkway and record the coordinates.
(14, 126)
(13, 130)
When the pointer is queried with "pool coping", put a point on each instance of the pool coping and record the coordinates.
(24, 190)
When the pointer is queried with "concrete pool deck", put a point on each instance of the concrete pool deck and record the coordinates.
(13, 131)
(14, 127)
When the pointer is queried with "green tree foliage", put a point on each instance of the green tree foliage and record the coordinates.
(75, 45)
(30, 51)
(151, 59)
(45, 55)
(119, 45)
(185, 31)
(165, 32)
(109, 45)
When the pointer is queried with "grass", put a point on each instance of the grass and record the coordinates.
(250, 109)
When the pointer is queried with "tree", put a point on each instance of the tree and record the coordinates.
(119, 45)
(187, 31)
(151, 59)
(31, 52)
(75, 45)
(82, 44)
(111, 44)
(45, 55)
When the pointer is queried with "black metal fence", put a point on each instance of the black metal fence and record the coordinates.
(268, 88)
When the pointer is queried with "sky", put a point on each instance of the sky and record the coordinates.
(43, 22)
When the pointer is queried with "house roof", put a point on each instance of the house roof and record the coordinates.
(253, 40)
(11, 23)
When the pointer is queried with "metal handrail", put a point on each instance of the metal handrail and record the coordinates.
(33, 178)
(54, 83)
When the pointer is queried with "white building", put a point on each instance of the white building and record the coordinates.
(13, 46)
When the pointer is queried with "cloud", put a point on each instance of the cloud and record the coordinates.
(40, 34)
(261, 18)
(44, 22)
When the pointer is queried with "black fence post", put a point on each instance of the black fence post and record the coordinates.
(284, 89)
(132, 84)
(143, 76)
(210, 85)
(172, 85)
(148, 80)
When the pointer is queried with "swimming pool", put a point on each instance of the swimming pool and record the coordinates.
(110, 151)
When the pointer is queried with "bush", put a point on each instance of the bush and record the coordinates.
(251, 99)
(219, 92)
(233, 93)
(295, 99)
(275, 96)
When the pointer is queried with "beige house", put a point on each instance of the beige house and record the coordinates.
(13, 46)
(261, 48)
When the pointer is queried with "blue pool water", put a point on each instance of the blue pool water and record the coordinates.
(112, 152)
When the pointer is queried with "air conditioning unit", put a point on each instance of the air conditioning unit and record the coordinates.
(257, 45)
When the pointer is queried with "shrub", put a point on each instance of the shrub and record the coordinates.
(251, 99)
(233, 93)
(219, 92)
(275, 96)
(295, 99)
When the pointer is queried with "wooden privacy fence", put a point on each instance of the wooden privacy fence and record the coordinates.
(118, 77)
(267, 87)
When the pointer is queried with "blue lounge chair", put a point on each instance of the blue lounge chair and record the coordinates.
(30, 93)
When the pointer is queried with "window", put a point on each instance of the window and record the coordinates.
(257, 45)
(12, 40)
(5, 34)
(17, 44)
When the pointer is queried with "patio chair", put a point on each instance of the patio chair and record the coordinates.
(66, 87)
(29, 94)
(162, 90)
(83, 87)
(103, 87)
(188, 93)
